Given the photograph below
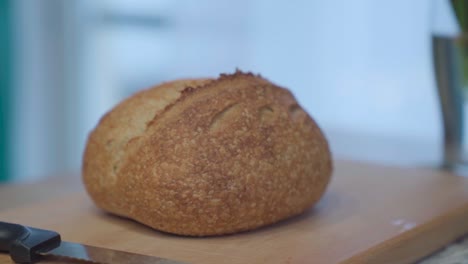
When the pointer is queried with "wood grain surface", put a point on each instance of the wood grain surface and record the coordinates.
(370, 214)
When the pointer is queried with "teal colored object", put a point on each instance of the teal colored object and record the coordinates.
(5, 87)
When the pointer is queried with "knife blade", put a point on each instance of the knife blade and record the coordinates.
(29, 245)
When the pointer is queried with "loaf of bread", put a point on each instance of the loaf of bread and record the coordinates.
(207, 156)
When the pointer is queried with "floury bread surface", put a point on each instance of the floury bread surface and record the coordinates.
(207, 156)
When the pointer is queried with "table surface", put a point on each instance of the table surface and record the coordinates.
(52, 189)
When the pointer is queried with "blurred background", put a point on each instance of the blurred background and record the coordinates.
(363, 69)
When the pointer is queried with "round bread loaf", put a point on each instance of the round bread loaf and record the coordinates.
(207, 156)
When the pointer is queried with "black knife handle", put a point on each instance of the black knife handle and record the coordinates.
(23, 242)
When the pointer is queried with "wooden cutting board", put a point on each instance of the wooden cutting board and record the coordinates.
(370, 214)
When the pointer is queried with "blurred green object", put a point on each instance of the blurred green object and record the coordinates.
(461, 11)
(5, 82)
(451, 71)
(460, 8)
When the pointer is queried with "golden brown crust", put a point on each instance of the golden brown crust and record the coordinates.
(207, 157)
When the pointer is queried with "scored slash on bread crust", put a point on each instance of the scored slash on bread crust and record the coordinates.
(207, 156)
